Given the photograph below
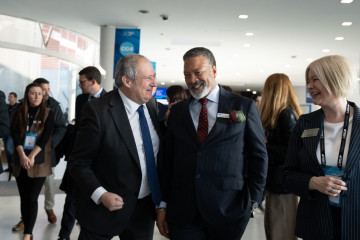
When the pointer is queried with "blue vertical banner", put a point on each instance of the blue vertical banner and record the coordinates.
(126, 41)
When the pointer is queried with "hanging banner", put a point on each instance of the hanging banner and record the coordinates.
(126, 41)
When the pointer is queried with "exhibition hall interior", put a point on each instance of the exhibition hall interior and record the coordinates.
(250, 39)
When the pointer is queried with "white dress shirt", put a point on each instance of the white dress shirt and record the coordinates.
(333, 133)
(133, 116)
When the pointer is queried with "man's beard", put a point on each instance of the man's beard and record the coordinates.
(201, 94)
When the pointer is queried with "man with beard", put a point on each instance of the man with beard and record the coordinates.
(215, 158)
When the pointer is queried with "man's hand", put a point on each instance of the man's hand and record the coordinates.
(161, 223)
(111, 201)
(328, 185)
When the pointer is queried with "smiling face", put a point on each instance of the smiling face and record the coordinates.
(199, 76)
(35, 96)
(141, 90)
(317, 90)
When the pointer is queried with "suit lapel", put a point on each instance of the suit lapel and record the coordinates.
(311, 143)
(121, 121)
(151, 106)
(354, 150)
(223, 107)
(188, 122)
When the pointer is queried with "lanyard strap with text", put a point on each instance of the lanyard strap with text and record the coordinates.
(343, 139)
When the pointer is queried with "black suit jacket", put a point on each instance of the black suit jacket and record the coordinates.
(4, 121)
(105, 155)
(219, 177)
(313, 219)
(80, 101)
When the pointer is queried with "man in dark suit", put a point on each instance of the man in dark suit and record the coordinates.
(90, 84)
(215, 163)
(111, 162)
(4, 121)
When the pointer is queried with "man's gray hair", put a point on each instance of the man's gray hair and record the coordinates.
(127, 66)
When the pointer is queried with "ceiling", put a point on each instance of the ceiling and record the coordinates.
(286, 33)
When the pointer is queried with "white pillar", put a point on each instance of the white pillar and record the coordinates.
(107, 43)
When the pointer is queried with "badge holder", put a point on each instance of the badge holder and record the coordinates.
(334, 172)
(30, 141)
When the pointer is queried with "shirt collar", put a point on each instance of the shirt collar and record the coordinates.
(213, 96)
(130, 106)
(97, 94)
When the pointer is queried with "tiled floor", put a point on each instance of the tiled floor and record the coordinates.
(10, 215)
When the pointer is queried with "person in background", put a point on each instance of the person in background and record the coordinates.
(115, 158)
(4, 121)
(58, 134)
(279, 111)
(90, 84)
(8, 141)
(257, 98)
(215, 158)
(31, 129)
(175, 94)
(66, 115)
(322, 163)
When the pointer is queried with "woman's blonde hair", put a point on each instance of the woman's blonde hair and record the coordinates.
(278, 94)
(335, 73)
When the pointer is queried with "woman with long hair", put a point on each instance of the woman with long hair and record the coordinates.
(31, 129)
(279, 111)
(322, 165)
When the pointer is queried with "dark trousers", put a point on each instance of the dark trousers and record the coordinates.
(29, 190)
(336, 219)
(68, 218)
(140, 226)
(200, 230)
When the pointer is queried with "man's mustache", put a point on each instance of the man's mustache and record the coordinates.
(196, 84)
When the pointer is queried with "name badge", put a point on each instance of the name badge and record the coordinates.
(335, 173)
(30, 141)
(310, 132)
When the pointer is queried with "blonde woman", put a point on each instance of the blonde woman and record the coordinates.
(323, 163)
(279, 111)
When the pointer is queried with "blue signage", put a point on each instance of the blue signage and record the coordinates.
(126, 41)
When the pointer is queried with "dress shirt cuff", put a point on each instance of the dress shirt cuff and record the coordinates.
(161, 205)
(97, 194)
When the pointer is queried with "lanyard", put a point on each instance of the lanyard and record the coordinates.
(343, 139)
(29, 123)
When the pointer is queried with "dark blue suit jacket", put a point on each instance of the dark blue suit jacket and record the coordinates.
(219, 177)
(313, 220)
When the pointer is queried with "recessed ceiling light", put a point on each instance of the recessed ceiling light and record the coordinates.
(248, 89)
(249, 34)
(172, 81)
(309, 59)
(339, 38)
(326, 50)
(162, 83)
(246, 45)
(346, 24)
(243, 16)
(346, 1)
(254, 92)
